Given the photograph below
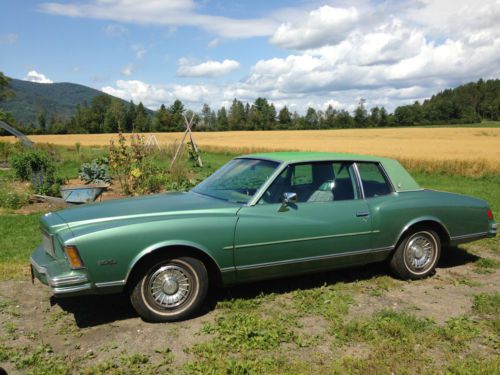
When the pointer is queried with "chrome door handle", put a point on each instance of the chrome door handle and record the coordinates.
(362, 213)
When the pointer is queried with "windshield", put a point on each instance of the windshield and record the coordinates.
(238, 180)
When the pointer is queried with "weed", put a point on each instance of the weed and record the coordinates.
(487, 303)
(8, 307)
(40, 360)
(326, 301)
(10, 329)
(246, 331)
(473, 365)
(486, 265)
(13, 200)
(459, 331)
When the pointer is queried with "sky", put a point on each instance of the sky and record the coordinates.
(296, 53)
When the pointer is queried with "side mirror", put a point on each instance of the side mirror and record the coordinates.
(288, 198)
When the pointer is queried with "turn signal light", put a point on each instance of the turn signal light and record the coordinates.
(74, 259)
(490, 214)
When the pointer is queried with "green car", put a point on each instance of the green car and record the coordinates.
(260, 216)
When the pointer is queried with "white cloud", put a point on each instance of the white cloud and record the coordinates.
(10, 38)
(114, 30)
(34, 76)
(139, 50)
(208, 68)
(214, 43)
(390, 53)
(127, 70)
(167, 13)
(324, 26)
(154, 95)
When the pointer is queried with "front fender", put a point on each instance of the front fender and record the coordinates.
(168, 244)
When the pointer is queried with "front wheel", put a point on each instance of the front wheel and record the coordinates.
(170, 290)
(417, 255)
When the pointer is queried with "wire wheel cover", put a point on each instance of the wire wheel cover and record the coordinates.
(170, 286)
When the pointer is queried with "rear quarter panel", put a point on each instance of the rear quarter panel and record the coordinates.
(393, 214)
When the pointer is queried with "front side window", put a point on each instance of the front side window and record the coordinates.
(314, 182)
(374, 181)
(238, 180)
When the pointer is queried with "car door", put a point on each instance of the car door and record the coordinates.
(329, 225)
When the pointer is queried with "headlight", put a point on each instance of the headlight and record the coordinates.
(73, 257)
(48, 244)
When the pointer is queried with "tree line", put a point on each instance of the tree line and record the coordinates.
(468, 103)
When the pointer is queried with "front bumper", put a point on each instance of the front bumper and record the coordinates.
(57, 274)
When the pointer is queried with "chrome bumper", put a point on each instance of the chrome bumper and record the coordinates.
(493, 230)
(60, 285)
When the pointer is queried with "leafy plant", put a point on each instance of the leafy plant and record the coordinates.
(136, 169)
(30, 162)
(36, 166)
(13, 200)
(126, 162)
(95, 172)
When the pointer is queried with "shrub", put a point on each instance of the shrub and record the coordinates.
(28, 163)
(36, 166)
(95, 172)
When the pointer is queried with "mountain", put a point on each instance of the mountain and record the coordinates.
(32, 98)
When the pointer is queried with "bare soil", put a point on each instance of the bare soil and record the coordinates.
(100, 327)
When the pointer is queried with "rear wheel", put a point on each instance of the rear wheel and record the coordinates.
(170, 290)
(417, 254)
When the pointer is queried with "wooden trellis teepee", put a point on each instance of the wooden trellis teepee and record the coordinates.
(189, 124)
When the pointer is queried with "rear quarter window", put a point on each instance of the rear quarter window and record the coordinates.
(373, 179)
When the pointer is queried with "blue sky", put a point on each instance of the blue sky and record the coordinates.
(295, 53)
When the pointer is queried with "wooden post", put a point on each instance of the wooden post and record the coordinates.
(191, 138)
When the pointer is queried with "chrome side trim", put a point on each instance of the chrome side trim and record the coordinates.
(228, 269)
(357, 177)
(109, 284)
(67, 280)
(71, 289)
(465, 236)
(312, 259)
(299, 240)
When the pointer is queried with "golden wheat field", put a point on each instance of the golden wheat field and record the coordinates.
(470, 150)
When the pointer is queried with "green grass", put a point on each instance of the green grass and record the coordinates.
(20, 236)
(487, 303)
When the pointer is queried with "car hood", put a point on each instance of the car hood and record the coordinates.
(142, 207)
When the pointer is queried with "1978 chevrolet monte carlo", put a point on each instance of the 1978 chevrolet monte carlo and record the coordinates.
(260, 216)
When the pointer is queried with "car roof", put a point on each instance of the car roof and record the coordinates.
(297, 157)
(401, 179)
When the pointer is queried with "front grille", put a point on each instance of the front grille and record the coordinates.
(48, 244)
